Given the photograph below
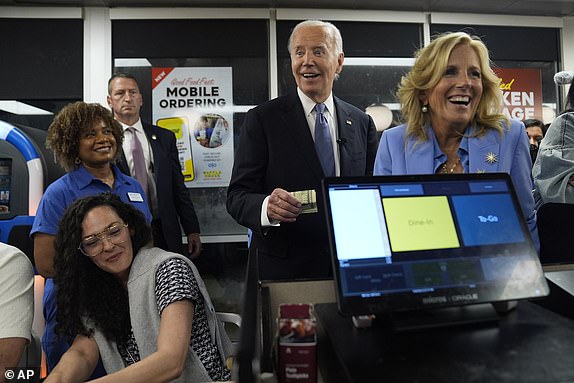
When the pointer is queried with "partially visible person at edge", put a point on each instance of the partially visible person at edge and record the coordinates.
(278, 154)
(84, 138)
(451, 102)
(553, 170)
(144, 311)
(171, 205)
(535, 129)
(16, 307)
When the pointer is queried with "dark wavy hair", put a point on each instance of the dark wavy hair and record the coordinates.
(66, 130)
(84, 290)
(529, 122)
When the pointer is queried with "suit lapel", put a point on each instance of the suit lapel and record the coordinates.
(484, 153)
(151, 139)
(154, 148)
(347, 127)
(295, 123)
(419, 157)
(122, 163)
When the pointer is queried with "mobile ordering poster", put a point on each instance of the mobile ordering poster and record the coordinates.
(196, 104)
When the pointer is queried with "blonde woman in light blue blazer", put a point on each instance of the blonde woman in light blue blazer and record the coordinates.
(451, 104)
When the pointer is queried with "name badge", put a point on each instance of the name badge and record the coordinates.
(135, 197)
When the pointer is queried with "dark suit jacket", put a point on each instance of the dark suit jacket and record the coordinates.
(276, 150)
(172, 194)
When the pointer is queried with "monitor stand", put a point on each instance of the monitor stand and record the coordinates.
(484, 313)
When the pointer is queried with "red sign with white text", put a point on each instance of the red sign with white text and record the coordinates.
(158, 74)
(521, 92)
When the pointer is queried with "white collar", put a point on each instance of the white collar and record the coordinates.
(309, 105)
(137, 126)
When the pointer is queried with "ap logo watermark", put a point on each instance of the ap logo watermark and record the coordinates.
(22, 375)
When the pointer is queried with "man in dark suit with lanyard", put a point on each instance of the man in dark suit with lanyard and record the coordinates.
(286, 146)
(156, 157)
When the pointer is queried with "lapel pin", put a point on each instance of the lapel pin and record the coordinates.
(349, 122)
(153, 137)
(491, 158)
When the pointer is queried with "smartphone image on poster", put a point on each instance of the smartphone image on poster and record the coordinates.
(180, 127)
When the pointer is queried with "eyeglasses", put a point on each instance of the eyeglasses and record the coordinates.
(93, 245)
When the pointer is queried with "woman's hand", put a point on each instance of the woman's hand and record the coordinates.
(78, 363)
(166, 364)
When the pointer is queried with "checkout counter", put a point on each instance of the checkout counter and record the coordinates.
(528, 344)
(532, 343)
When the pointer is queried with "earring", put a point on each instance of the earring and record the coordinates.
(425, 109)
(77, 161)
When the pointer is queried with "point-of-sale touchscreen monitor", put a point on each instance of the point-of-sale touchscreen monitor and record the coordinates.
(412, 242)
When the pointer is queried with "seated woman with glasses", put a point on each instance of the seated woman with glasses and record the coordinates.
(86, 141)
(145, 311)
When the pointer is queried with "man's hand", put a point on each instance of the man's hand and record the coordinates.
(193, 245)
(282, 206)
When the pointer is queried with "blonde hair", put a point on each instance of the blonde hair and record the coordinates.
(430, 64)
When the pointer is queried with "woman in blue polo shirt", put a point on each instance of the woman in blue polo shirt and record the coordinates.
(85, 139)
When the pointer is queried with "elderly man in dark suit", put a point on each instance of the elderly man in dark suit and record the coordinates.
(287, 145)
(160, 170)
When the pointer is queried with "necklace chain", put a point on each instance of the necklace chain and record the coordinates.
(108, 180)
(446, 169)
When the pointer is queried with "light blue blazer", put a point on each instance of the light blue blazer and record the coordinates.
(398, 154)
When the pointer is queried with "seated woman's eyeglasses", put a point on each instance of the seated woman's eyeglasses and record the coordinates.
(93, 245)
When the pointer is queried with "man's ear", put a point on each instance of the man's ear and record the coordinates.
(340, 61)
